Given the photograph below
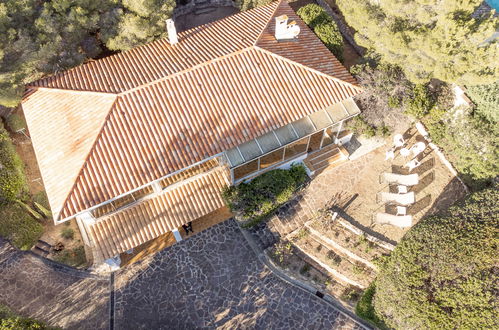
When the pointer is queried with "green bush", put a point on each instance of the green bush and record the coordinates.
(486, 99)
(324, 27)
(15, 122)
(443, 273)
(18, 226)
(10, 321)
(470, 142)
(365, 308)
(420, 103)
(360, 126)
(67, 233)
(72, 257)
(259, 198)
(12, 178)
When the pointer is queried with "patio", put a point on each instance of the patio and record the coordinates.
(350, 189)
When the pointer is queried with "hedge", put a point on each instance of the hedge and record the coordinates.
(259, 198)
(324, 27)
(12, 177)
(443, 273)
(18, 226)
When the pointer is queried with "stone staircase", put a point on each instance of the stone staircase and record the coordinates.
(203, 7)
(41, 248)
(328, 157)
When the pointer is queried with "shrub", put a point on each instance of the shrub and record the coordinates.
(365, 308)
(72, 257)
(360, 126)
(305, 269)
(259, 198)
(486, 99)
(67, 233)
(18, 226)
(11, 321)
(12, 178)
(442, 274)
(351, 294)
(41, 198)
(470, 142)
(324, 27)
(15, 122)
(420, 103)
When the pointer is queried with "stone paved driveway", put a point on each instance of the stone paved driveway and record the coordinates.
(214, 280)
(58, 295)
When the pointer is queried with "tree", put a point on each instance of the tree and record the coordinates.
(442, 274)
(324, 27)
(140, 21)
(428, 38)
(486, 99)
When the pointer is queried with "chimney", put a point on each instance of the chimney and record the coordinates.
(172, 32)
(285, 30)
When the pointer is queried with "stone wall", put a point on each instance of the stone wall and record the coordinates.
(193, 4)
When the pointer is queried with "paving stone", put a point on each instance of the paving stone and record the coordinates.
(209, 282)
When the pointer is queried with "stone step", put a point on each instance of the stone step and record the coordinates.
(43, 244)
(206, 10)
(40, 251)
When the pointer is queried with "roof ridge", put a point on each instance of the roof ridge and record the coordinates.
(72, 90)
(90, 151)
(192, 68)
(307, 68)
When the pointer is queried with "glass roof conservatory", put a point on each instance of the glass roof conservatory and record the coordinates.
(290, 140)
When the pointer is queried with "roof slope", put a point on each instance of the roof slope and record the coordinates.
(63, 130)
(153, 217)
(192, 100)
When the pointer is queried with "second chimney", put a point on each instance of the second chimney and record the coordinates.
(285, 30)
(172, 31)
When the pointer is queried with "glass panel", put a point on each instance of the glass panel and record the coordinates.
(296, 148)
(194, 170)
(286, 134)
(246, 169)
(330, 135)
(315, 142)
(303, 127)
(351, 107)
(268, 142)
(271, 159)
(337, 112)
(250, 150)
(320, 119)
(234, 157)
(143, 192)
(103, 210)
(123, 201)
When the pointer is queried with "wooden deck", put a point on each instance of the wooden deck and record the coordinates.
(325, 158)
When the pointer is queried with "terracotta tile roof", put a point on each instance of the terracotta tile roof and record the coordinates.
(63, 126)
(153, 217)
(206, 98)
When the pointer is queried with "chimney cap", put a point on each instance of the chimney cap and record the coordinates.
(172, 31)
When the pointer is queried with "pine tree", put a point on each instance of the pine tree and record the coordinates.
(141, 21)
(428, 38)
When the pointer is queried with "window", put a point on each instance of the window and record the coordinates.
(268, 142)
(142, 192)
(286, 134)
(315, 141)
(320, 119)
(250, 150)
(234, 157)
(330, 135)
(103, 210)
(296, 148)
(303, 127)
(187, 173)
(337, 112)
(246, 169)
(272, 158)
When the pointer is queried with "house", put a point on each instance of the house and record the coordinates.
(136, 144)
